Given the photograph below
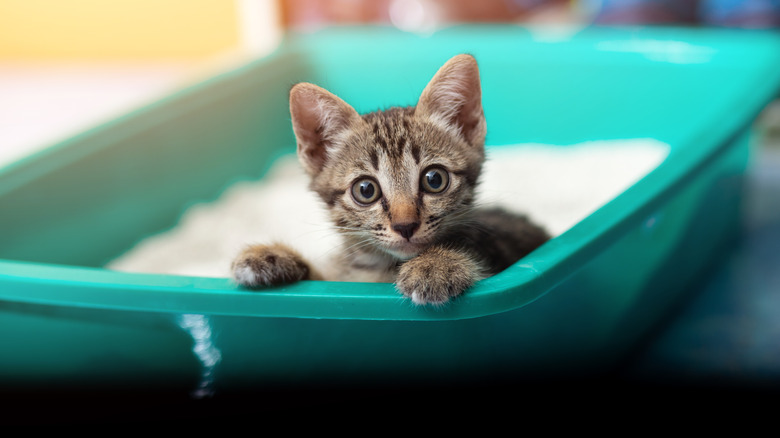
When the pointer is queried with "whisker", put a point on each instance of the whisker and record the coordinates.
(356, 247)
(461, 217)
(343, 250)
(335, 227)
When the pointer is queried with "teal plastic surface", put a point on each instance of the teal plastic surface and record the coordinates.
(577, 304)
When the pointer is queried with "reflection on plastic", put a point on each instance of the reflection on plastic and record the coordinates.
(208, 354)
(673, 52)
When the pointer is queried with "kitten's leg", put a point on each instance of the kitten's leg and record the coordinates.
(269, 265)
(438, 274)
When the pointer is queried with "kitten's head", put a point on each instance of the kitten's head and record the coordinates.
(395, 180)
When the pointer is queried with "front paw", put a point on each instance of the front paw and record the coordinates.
(437, 275)
(269, 265)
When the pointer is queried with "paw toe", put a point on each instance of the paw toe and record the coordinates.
(245, 276)
(268, 266)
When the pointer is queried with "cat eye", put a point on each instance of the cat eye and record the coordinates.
(366, 191)
(435, 180)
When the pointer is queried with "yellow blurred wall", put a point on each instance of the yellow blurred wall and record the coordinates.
(117, 28)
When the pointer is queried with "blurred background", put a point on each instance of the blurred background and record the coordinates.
(68, 65)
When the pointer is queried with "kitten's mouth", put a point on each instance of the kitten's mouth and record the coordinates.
(405, 249)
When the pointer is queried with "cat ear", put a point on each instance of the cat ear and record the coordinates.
(454, 97)
(318, 117)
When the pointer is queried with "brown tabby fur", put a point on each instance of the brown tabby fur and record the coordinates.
(432, 245)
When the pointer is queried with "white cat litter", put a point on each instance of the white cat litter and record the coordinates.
(555, 186)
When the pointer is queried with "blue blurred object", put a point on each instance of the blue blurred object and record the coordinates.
(741, 13)
(726, 13)
(642, 11)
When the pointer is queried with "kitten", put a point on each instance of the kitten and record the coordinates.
(399, 185)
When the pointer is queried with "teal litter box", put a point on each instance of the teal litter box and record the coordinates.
(576, 306)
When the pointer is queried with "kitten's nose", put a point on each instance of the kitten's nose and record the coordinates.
(406, 230)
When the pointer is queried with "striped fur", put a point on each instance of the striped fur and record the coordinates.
(399, 185)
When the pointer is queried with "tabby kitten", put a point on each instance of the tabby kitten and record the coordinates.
(399, 185)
